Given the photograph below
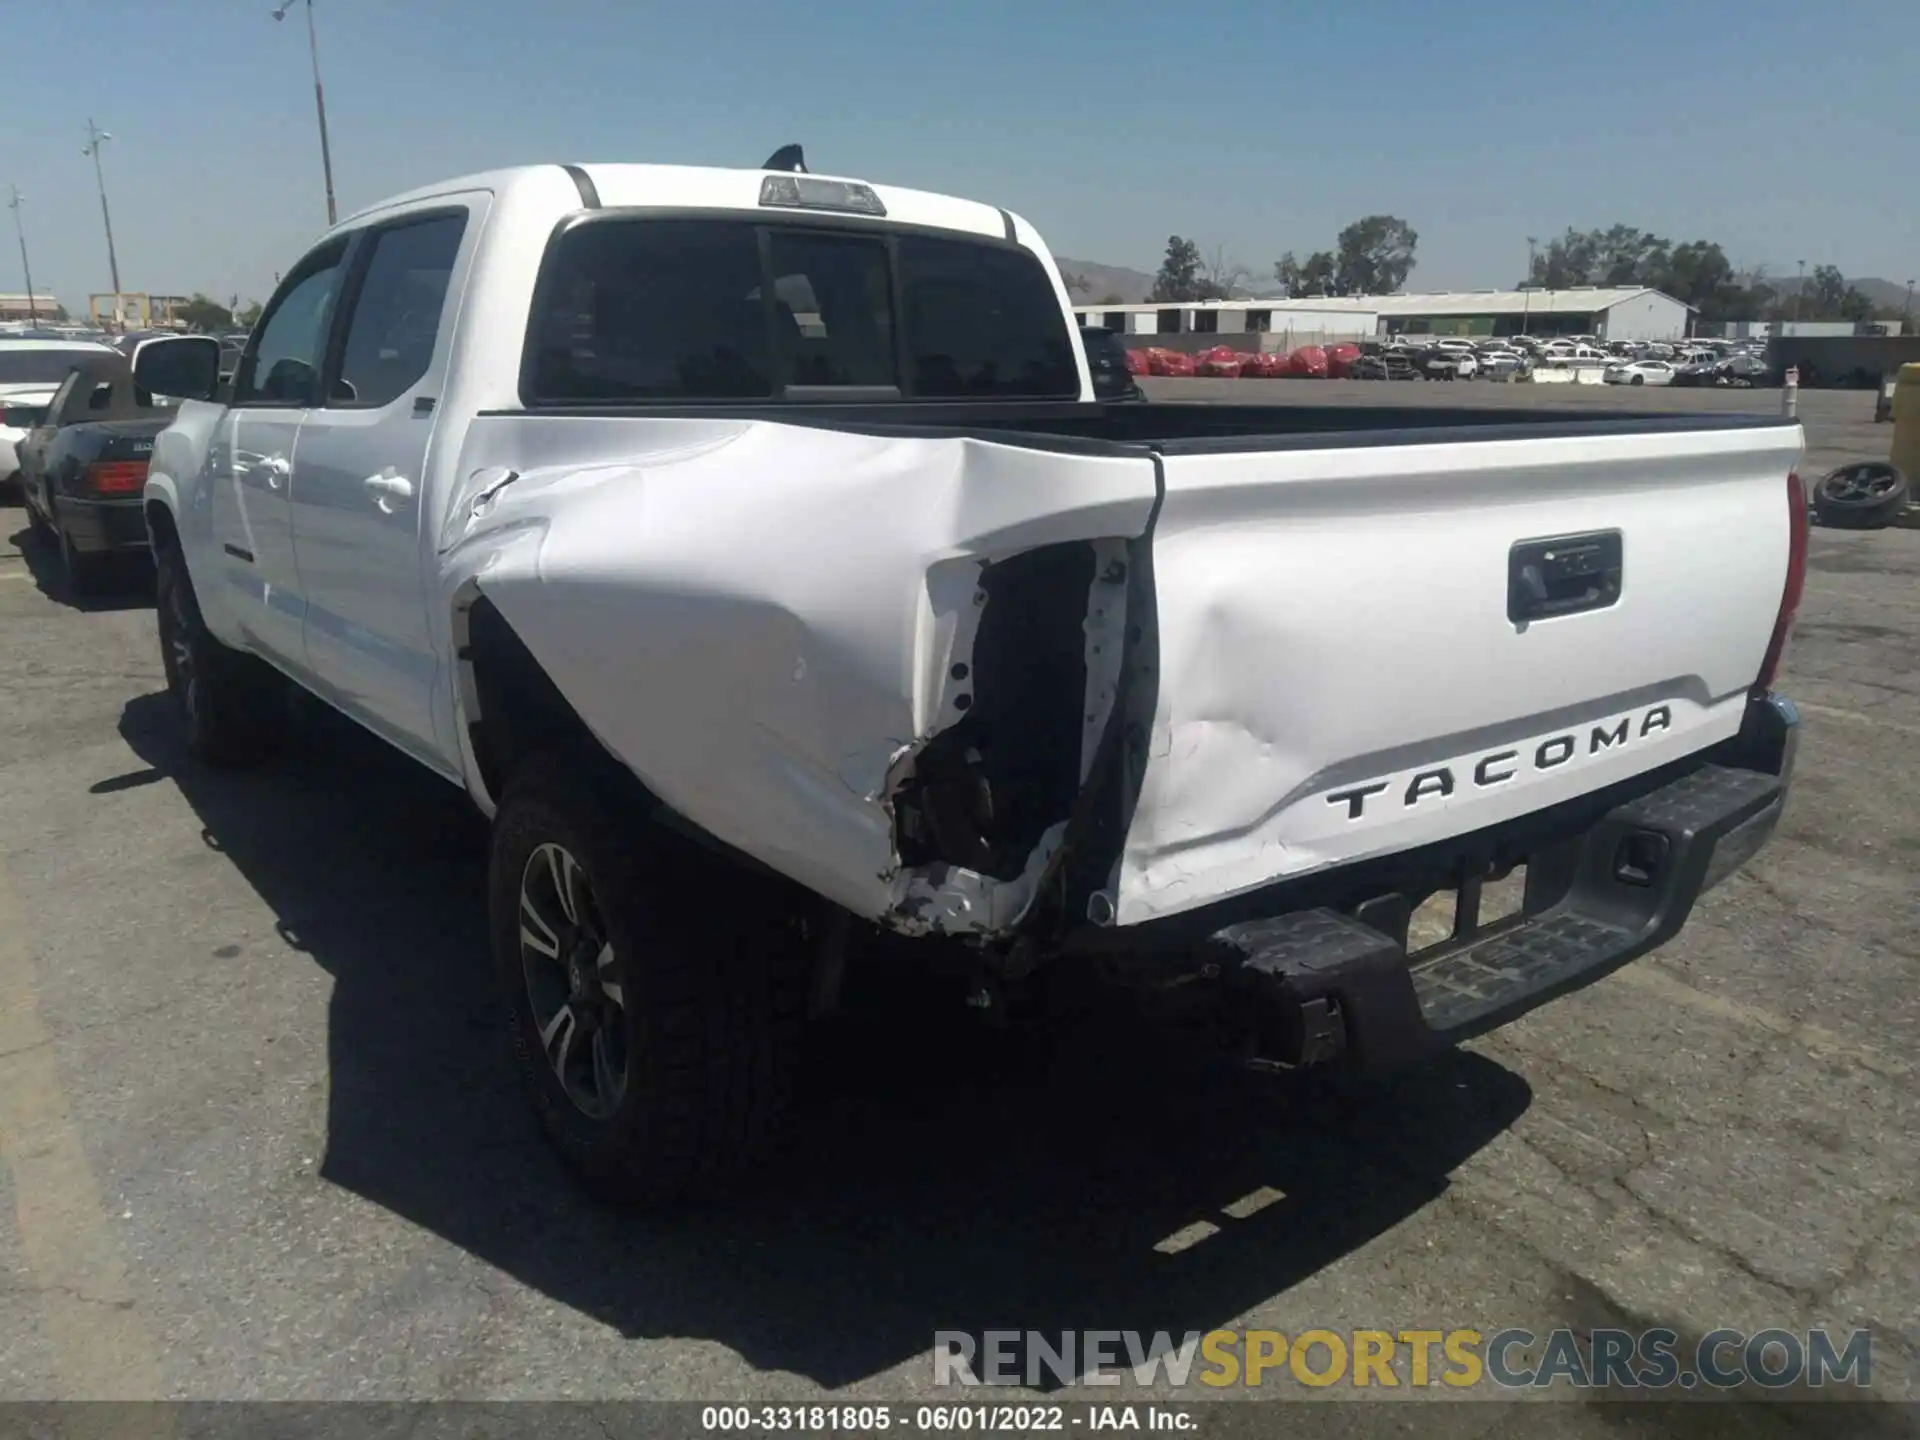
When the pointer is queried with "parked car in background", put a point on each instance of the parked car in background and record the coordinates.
(1504, 364)
(1640, 372)
(1744, 369)
(30, 372)
(1391, 363)
(1443, 363)
(83, 467)
(1107, 361)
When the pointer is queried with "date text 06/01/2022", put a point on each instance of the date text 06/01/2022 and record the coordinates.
(985, 1419)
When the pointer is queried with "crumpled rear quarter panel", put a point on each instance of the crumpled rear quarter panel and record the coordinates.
(760, 619)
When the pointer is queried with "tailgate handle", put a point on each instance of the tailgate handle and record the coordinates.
(1563, 575)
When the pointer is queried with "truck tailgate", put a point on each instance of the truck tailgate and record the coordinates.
(1337, 672)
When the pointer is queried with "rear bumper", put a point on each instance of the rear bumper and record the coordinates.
(1323, 985)
(98, 526)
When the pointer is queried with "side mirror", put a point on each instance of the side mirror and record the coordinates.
(185, 367)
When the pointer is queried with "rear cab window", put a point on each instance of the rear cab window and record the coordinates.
(662, 309)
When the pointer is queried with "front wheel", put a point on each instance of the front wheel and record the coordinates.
(653, 1009)
(232, 706)
(1638, 380)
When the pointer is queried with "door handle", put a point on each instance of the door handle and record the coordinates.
(277, 468)
(390, 492)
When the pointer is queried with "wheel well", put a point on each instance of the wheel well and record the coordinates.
(162, 533)
(517, 711)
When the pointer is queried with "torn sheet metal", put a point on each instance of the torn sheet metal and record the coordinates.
(763, 620)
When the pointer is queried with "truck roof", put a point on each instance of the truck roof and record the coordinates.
(707, 187)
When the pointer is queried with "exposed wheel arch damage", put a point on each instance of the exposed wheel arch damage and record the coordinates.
(1007, 814)
(774, 628)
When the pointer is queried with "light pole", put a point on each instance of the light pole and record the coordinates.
(96, 137)
(319, 102)
(1906, 310)
(1799, 289)
(1526, 305)
(33, 309)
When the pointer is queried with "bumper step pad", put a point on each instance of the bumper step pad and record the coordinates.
(1325, 985)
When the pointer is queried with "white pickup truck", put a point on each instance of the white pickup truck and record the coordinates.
(749, 546)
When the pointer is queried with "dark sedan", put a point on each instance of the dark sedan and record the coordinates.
(83, 468)
(1107, 360)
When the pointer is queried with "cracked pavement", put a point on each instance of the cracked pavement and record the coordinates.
(264, 1142)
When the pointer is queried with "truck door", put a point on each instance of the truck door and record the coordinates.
(251, 457)
(362, 458)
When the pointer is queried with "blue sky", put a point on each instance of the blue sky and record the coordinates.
(1783, 130)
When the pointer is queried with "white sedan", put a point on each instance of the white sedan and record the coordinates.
(1640, 372)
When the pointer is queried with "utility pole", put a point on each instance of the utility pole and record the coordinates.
(1799, 290)
(33, 308)
(1526, 307)
(1906, 311)
(319, 103)
(95, 138)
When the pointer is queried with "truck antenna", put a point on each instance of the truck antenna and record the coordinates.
(787, 157)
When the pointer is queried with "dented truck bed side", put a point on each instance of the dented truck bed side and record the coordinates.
(926, 672)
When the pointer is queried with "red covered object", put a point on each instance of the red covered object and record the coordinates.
(1137, 363)
(1222, 362)
(1340, 359)
(1264, 367)
(1169, 362)
(1308, 362)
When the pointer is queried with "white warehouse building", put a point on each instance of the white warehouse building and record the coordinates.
(1610, 314)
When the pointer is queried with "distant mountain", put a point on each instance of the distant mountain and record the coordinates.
(1133, 287)
(1106, 281)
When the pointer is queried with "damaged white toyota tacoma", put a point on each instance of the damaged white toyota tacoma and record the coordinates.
(749, 546)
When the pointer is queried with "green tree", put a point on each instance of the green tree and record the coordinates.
(1824, 294)
(1179, 277)
(248, 315)
(1313, 276)
(1076, 283)
(1374, 255)
(201, 313)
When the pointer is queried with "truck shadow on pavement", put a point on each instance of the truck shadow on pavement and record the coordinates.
(926, 1183)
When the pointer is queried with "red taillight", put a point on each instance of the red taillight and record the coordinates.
(1795, 586)
(117, 477)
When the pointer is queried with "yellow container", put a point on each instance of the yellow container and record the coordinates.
(1906, 423)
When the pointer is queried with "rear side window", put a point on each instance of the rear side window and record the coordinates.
(665, 310)
(396, 315)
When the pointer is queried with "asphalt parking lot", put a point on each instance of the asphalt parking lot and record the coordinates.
(258, 1137)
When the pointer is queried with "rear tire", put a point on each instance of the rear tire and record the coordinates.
(1865, 496)
(232, 706)
(1638, 380)
(654, 1008)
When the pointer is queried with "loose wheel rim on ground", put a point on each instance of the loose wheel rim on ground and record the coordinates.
(575, 993)
(1865, 484)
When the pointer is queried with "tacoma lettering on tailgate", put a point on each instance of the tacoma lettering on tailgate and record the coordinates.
(1499, 767)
